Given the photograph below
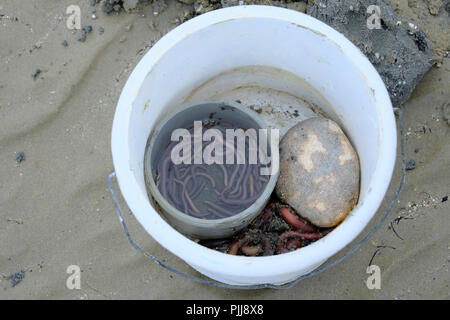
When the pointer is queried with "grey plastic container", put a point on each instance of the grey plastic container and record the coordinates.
(182, 117)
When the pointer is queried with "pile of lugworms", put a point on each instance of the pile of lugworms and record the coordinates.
(276, 230)
(210, 191)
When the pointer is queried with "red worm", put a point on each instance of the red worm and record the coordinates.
(294, 243)
(282, 249)
(291, 245)
(268, 213)
(294, 220)
(301, 235)
(251, 250)
(237, 245)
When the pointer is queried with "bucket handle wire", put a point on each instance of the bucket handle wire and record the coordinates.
(269, 285)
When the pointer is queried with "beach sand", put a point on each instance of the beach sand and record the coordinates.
(56, 210)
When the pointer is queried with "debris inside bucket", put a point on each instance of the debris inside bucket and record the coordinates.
(278, 229)
(318, 186)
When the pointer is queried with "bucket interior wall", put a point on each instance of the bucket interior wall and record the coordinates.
(262, 42)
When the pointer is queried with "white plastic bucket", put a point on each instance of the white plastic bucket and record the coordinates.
(226, 39)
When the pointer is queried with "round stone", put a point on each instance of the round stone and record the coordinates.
(319, 172)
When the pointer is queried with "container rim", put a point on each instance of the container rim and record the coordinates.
(221, 263)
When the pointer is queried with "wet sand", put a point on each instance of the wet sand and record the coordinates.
(56, 210)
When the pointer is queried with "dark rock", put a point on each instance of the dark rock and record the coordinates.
(82, 36)
(16, 278)
(20, 157)
(87, 29)
(421, 43)
(35, 73)
(110, 6)
(83, 33)
(410, 165)
(399, 52)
